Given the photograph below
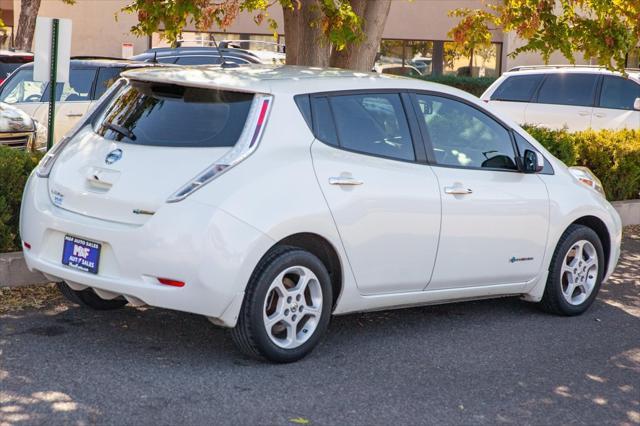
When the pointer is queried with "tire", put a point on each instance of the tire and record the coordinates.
(578, 249)
(89, 299)
(304, 310)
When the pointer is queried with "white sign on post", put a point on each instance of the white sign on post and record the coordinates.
(42, 53)
(127, 50)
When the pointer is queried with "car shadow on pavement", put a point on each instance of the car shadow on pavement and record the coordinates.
(485, 362)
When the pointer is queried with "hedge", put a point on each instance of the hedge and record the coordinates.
(613, 155)
(474, 85)
(15, 167)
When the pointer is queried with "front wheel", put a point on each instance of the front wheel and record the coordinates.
(575, 273)
(287, 306)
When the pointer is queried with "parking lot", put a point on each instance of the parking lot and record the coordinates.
(486, 362)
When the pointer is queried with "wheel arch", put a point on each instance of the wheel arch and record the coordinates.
(600, 228)
(325, 251)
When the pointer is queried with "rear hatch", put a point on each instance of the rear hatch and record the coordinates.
(145, 143)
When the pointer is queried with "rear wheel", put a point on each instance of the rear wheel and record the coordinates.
(576, 272)
(287, 306)
(89, 299)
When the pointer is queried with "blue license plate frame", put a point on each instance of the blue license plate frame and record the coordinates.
(81, 254)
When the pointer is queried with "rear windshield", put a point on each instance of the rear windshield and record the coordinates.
(173, 115)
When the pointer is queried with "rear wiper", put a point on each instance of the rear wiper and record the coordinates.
(120, 129)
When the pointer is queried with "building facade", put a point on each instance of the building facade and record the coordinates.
(415, 35)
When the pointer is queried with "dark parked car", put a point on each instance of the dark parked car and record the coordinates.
(197, 56)
(10, 60)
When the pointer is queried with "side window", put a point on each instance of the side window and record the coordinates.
(618, 93)
(106, 77)
(324, 127)
(517, 88)
(524, 144)
(77, 89)
(373, 124)
(199, 60)
(463, 136)
(21, 88)
(568, 89)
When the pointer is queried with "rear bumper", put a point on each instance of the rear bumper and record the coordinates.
(210, 250)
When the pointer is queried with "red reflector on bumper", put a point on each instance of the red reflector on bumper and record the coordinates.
(172, 283)
(26, 245)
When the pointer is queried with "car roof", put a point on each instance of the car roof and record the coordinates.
(567, 69)
(283, 79)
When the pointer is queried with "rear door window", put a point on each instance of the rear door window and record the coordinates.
(618, 93)
(78, 88)
(568, 89)
(325, 127)
(517, 88)
(172, 115)
(373, 124)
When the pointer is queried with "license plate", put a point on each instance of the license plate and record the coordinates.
(81, 254)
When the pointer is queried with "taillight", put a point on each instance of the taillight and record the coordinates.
(170, 282)
(246, 145)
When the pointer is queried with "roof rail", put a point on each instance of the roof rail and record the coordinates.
(91, 57)
(536, 67)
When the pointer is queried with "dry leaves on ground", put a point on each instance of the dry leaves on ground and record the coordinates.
(33, 296)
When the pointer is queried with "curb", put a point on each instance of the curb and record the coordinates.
(629, 211)
(14, 271)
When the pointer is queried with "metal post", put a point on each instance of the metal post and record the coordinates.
(52, 82)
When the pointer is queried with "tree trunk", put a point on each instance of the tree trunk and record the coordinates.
(26, 24)
(361, 56)
(306, 44)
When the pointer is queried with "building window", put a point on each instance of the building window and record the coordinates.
(426, 57)
(633, 58)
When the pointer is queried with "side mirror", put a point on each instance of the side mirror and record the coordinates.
(532, 162)
(636, 104)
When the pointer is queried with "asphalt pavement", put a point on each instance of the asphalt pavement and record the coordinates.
(487, 362)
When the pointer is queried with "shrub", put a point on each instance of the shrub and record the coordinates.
(15, 167)
(474, 85)
(559, 142)
(613, 155)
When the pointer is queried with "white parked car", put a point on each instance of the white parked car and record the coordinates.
(577, 98)
(268, 206)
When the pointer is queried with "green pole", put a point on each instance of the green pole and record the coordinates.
(52, 82)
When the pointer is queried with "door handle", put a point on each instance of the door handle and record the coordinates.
(600, 115)
(75, 114)
(457, 190)
(584, 113)
(344, 181)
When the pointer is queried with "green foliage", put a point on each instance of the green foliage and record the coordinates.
(474, 85)
(15, 167)
(338, 21)
(603, 30)
(560, 143)
(613, 155)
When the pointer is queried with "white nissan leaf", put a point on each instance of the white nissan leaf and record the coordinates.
(270, 198)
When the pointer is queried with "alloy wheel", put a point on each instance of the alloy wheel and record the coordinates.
(579, 272)
(292, 307)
